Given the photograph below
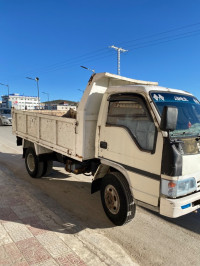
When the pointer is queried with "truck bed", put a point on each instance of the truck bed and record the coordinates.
(48, 129)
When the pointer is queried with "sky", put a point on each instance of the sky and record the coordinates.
(51, 39)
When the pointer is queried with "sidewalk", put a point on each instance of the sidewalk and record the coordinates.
(35, 230)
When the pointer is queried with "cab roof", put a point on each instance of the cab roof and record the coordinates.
(144, 89)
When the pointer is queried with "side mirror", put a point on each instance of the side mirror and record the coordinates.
(169, 118)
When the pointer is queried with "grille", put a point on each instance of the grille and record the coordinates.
(198, 185)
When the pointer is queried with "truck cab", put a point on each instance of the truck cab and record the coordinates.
(151, 135)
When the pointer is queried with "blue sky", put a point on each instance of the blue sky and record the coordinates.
(51, 39)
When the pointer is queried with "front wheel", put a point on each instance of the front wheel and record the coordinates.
(117, 199)
(34, 167)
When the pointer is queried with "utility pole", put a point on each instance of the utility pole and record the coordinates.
(119, 50)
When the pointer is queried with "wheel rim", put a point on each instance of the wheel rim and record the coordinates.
(112, 199)
(31, 162)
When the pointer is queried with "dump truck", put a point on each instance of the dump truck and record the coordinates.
(139, 141)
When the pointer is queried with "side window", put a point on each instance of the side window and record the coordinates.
(131, 113)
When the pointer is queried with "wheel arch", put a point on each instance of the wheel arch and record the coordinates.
(38, 148)
(104, 168)
(26, 144)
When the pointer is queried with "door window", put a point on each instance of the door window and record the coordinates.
(131, 113)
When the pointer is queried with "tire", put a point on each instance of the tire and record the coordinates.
(117, 199)
(34, 167)
(1, 124)
(47, 167)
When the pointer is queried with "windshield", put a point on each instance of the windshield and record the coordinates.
(188, 123)
(5, 111)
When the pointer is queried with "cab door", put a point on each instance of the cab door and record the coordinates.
(129, 137)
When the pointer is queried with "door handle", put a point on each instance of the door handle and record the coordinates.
(103, 145)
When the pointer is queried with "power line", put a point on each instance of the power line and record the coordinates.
(135, 46)
(98, 54)
(77, 63)
(103, 53)
(71, 60)
(168, 38)
(161, 33)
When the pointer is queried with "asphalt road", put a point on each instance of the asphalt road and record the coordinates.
(150, 239)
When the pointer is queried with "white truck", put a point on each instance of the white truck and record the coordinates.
(140, 141)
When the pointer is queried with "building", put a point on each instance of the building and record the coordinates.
(62, 106)
(21, 102)
(66, 108)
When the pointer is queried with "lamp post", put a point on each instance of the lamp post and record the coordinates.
(88, 69)
(8, 92)
(36, 79)
(47, 97)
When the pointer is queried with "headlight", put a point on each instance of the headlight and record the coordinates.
(3, 116)
(174, 189)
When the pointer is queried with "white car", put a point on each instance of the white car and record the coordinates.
(5, 117)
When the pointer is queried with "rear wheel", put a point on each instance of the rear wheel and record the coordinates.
(117, 199)
(47, 167)
(34, 167)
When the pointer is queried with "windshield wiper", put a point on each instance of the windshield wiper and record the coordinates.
(185, 133)
(176, 141)
(177, 134)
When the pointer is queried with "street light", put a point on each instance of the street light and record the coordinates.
(88, 69)
(47, 97)
(6, 86)
(8, 92)
(36, 79)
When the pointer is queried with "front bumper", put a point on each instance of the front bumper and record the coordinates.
(177, 207)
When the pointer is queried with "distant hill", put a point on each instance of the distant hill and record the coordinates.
(57, 102)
